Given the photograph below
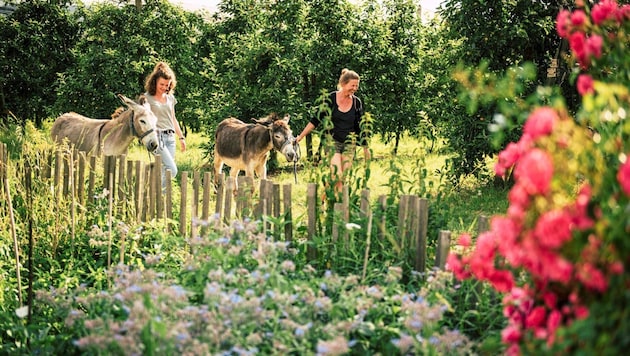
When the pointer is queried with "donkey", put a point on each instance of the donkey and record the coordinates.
(109, 137)
(245, 147)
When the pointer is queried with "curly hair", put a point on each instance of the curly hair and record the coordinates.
(161, 70)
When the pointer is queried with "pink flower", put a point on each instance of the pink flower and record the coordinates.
(585, 84)
(592, 277)
(550, 266)
(581, 312)
(550, 299)
(511, 334)
(536, 318)
(623, 13)
(454, 263)
(518, 196)
(577, 42)
(540, 122)
(594, 46)
(562, 23)
(616, 267)
(502, 281)
(623, 177)
(464, 240)
(578, 18)
(604, 10)
(534, 172)
(553, 322)
(553, 229)
(507, 158)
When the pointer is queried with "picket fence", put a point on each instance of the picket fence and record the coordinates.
(137, 193)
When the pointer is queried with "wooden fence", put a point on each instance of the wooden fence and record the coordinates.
(136, 193)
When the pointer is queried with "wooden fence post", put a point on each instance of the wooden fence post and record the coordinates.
(421, 238)
(168, 197)
(57, 177)
(288, 215)
(275, 193)
(403, 220)
(229, 189)
(196, 187)
(81, 178)
(182, 204)
(443, 248)
(138, 190)
(205, 209)
(220, 193)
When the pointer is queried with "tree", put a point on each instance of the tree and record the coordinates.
(500, 34)
(390, 37)
(36, 43)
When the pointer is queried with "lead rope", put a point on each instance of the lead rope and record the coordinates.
(298, 153)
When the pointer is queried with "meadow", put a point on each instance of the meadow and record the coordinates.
(235, 290)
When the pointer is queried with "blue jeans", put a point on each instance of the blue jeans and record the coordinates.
(167, 152)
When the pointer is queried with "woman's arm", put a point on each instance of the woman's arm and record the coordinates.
(307, 130)
(178, 130)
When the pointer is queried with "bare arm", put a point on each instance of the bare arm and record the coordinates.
(307, 130)
(178, 132)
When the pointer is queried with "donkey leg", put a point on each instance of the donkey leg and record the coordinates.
(218, 167)
(261, 170)
(234, 174)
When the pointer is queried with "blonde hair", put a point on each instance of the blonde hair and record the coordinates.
(346, 76)
(161, 70)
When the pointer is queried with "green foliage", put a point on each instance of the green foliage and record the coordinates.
(38, 40)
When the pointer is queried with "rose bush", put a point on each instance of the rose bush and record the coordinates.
(560, 252)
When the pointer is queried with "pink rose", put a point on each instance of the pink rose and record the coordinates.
(511, 334)
(623, 177)
(502, 281)
(507, 158)
(550, 299)
(578, 18)
(594, 46)
(577, 42)
(623, 13)
(585, 84)
(562, 23)
(534, 172)
(536, 318)
(553, 229)
(464, 240)
(592, 277)
(553, 321)
(540, 122)
(604, 10)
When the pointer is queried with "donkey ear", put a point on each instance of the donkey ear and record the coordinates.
(142, 100)
(286, 118)
(124, 99)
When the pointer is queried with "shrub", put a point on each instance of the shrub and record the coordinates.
(559, 253)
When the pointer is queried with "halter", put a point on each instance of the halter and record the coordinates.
(289, 141)
(134, 131)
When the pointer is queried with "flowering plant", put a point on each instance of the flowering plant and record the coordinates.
(559, 253)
